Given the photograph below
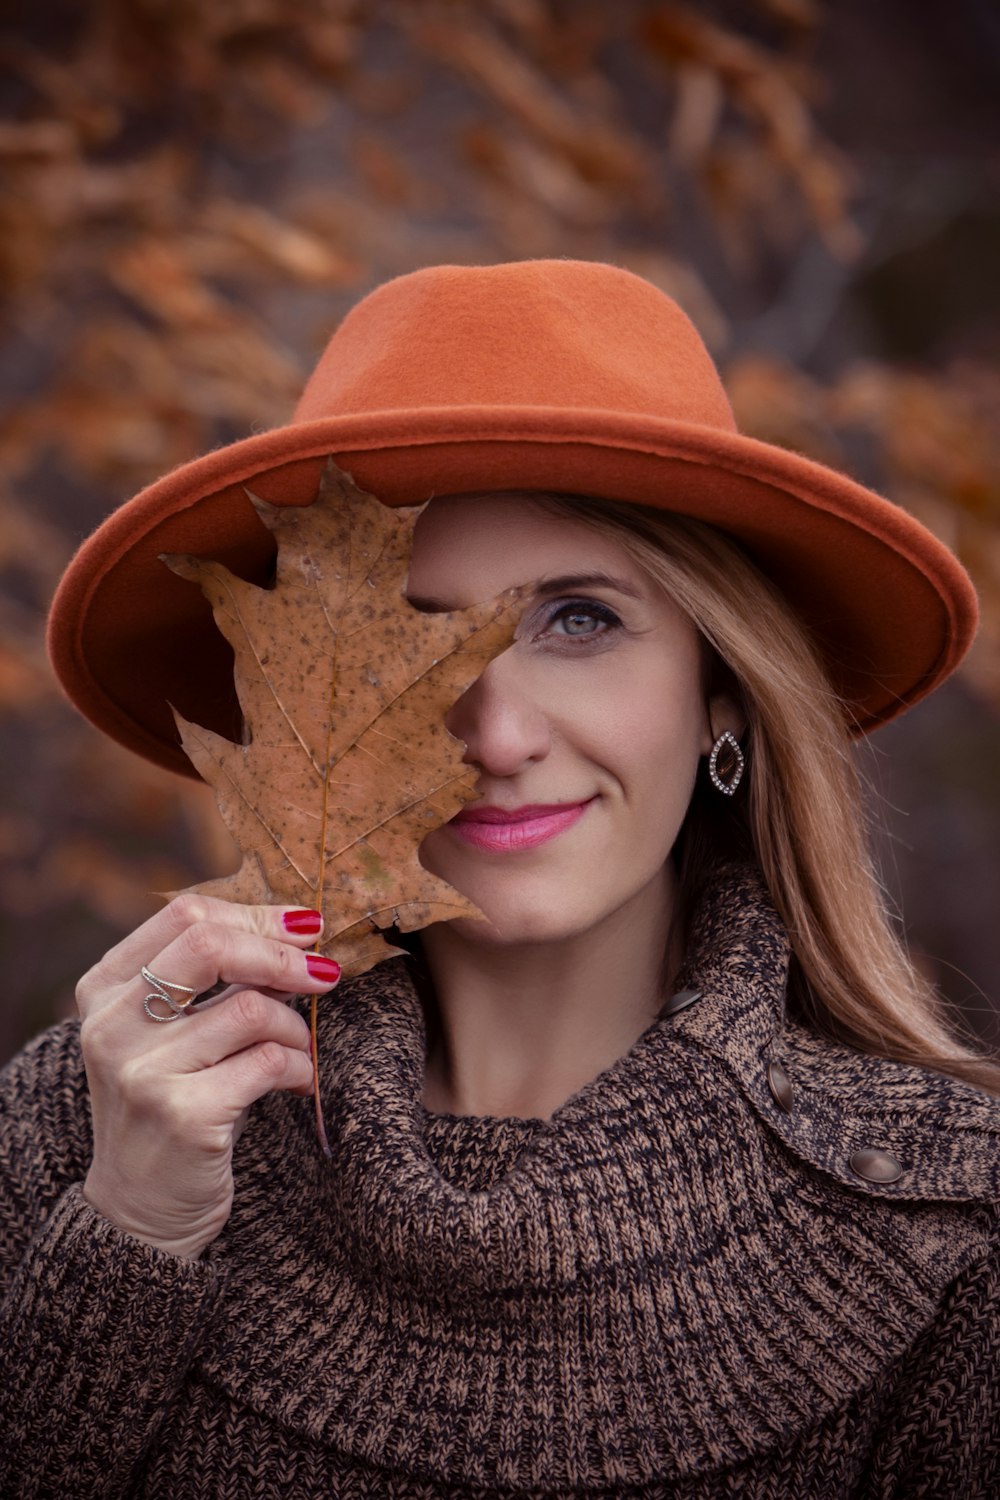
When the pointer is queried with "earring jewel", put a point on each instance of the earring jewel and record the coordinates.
(734, 772)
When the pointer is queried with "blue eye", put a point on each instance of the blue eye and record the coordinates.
(582, 618)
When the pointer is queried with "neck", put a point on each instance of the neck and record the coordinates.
(516, 1029)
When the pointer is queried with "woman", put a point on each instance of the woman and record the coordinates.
(665, 1176)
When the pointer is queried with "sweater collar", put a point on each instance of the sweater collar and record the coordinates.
(651, 1283)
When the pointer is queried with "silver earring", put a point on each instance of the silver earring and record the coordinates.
(735, 774)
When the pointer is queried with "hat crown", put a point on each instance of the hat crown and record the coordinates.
(532, 334)
(565, 376)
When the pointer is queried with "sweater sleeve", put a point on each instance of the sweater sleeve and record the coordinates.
(940, 1431)
(97, 1329)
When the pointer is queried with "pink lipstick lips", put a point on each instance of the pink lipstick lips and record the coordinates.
(503, 830)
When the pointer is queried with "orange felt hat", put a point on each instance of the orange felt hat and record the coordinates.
(559, 375)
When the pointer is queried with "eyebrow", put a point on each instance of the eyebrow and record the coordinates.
(566, 583)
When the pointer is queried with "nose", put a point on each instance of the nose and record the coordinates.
(504, 728)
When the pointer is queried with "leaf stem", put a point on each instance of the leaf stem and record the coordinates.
(321, 1135)
(317, 1099)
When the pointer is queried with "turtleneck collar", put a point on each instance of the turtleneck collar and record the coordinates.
(652, 1283)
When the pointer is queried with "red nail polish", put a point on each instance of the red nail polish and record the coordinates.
(303, 923)
(323, 968)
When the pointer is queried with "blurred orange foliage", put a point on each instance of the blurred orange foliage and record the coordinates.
(191, 195)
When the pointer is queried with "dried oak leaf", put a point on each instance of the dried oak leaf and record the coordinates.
(344, 688)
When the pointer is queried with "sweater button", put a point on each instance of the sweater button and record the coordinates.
(876, 1165)
(780, 1085)
(679, 1002)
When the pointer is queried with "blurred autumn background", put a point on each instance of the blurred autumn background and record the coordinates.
(193, 194)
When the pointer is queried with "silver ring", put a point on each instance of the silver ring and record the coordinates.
(161, 991)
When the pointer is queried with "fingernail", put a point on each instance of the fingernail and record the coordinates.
(304, 923)
(319, 967)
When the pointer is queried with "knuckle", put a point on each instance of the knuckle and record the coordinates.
(92, 987)
(98, 1034)
(270, 1060)
(150, 1098)
(173, 1114)
(206, 942)
(85, 995)
(91, 1039)
(188, 910)
(261, 919)
(249, 1010)
(134, 1083)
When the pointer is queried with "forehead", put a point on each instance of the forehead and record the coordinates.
(473, 546)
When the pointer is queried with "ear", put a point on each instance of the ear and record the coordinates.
(724, 712)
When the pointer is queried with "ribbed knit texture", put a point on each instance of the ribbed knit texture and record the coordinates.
(672, 1287)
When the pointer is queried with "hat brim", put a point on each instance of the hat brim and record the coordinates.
(889, 606)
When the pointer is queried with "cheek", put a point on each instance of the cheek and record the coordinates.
(657, 770)
(658, 775)
(654, 732)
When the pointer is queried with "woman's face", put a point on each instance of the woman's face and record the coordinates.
(588, 728)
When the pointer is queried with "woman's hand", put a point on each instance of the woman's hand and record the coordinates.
(169, 1100)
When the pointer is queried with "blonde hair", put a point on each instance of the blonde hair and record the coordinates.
(803, 817)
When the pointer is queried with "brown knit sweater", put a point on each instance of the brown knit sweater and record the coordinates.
(674, 1287)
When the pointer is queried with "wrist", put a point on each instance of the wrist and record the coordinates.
(185, 1244)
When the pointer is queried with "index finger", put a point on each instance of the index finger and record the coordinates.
(298, 925)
